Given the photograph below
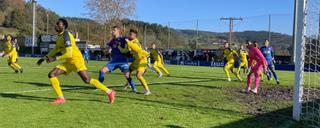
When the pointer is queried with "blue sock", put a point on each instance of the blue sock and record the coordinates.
(101, 76)
(131, 83)
(275, 75)
(269, 75)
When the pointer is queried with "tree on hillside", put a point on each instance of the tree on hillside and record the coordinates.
(104, 11)
(110, 12)
(3, 5)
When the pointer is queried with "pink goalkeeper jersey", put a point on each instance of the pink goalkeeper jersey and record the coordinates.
(256, 55)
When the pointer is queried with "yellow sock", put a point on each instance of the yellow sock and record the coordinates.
(143, 82)
(98, 85)
(17, 65)
(157, 69)
(165, 70)
(238, 76)
(13, 67)
(56, 86)
(226, 72)
(238, 73)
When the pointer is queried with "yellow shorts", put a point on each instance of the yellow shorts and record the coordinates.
(229, 64)
(244, 64)
(13, 58)
(139, 65)
(70, 67)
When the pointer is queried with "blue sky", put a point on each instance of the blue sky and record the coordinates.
(183, 14)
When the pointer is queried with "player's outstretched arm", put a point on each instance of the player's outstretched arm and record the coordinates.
(66, 55)
(136, 48)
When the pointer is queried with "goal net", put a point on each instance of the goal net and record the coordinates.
(307, 62)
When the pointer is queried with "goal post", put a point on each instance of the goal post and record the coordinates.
(306, 36)
(299, 54)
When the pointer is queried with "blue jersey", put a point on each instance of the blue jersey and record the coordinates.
(267, 53)
(116, 55)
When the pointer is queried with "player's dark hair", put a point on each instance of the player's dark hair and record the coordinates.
(64, 22)
(256, 43)
(134, 31)
(8, 36)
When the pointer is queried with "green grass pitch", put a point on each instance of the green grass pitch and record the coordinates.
(192, 97)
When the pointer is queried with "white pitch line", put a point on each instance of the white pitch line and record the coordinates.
(76, 88)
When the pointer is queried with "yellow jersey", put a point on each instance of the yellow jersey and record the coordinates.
(67, 49)
(229, 54)
(155, 55)
(243, 56)
(10, 48)
(135, 47)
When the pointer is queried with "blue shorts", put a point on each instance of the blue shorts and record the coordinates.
(124, 67)
(237, 63)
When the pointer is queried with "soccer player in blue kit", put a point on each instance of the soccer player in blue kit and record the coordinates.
(267, 52)
(86, 54)
(118, 59)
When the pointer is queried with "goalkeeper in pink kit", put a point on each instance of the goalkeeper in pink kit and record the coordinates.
(255, 55)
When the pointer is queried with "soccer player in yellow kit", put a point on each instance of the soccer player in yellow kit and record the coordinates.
(158, 63)
(139, 63)
(11, 52)
(230, 56)
(66, 49)
(243, 60)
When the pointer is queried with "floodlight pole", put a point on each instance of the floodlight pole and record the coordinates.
(169, 36)
(231, 19)
(269, 30)
(34, 2)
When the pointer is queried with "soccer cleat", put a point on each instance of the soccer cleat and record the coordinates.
(112, 96)
(16, 71)
(134, 91)
(21, 70)
(278, 82)
(147, 92)
(58, 101)
(229, 79)
(255, 91)
(160, 75)
(248, 89)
